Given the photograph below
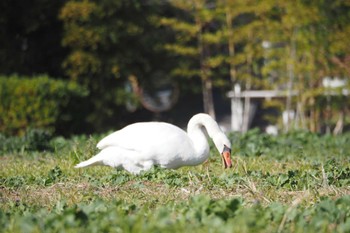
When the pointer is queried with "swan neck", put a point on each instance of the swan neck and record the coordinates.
(196, 133)
(203, 120)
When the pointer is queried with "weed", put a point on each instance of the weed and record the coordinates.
(292, 183)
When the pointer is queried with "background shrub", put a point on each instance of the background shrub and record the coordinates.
(32, 140)
(36, 102)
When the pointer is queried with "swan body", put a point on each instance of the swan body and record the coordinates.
(139, 146)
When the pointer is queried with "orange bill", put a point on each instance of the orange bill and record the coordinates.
(226, 158)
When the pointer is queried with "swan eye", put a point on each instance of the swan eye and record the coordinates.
(227, 149)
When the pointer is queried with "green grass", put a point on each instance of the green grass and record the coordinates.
(299, 182)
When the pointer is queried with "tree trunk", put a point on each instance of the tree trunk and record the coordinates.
(231, 45)
(312, 118)
(290, 70)
(207, 84)
(246, 113)
(340, 123)
(208, 103)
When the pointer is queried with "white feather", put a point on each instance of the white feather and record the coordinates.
(139, 146)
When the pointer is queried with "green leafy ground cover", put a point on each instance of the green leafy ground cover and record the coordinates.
(299, 182)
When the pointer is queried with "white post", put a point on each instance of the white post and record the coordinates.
(237, 110)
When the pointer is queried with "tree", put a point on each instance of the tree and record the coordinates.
(302, 35)
(199, 44)
(30, 37)
(109, 42)
(245, 32)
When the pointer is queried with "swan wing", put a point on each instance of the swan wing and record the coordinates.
(149, 138)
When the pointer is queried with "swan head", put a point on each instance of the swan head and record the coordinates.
(224, 147)
(226, 157)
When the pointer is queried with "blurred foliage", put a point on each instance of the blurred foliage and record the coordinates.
(255, 143)
(290, 45)
(35, 102)
(30, 38)
(200, 213)
(32, 140)
(109, 42)
(258, 44)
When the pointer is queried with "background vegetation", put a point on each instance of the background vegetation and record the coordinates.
(38, 102)
(198, 46)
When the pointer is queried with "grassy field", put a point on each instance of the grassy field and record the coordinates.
(299, 182)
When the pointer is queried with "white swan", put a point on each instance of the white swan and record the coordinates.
(139, 146)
